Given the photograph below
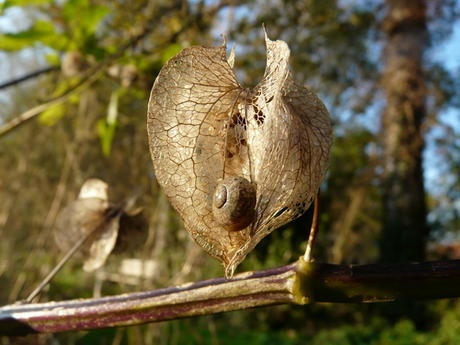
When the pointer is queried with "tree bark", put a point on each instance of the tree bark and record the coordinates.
(405, 228)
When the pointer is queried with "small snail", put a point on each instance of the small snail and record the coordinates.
(233, 204)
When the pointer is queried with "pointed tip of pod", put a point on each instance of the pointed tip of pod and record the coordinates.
(267, 39)
(229, 270)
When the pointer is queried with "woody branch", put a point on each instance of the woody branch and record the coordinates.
(298, 283)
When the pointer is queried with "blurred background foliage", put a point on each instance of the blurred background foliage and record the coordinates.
(96, 60)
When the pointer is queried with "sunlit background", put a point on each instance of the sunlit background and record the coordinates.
(98, 130)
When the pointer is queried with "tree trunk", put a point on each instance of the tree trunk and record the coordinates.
(405, 228)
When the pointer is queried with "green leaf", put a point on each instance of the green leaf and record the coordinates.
(4, 6)
(93, 17)
(74, 99)
(106, 134)
(41, 31)
(9, 3)
(84, 16)
(106, 127)
(28, 2)
(53, 59)
(52, 115)
(170, 51)
(65, 85)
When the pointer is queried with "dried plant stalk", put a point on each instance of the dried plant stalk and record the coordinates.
(298, 283)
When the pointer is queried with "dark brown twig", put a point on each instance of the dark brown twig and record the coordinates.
(28, 76)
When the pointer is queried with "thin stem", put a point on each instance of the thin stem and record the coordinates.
(313, 230)
(33, 112)
(111, 214)
(58, 267)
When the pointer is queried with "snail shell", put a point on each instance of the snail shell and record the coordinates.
(233, 204)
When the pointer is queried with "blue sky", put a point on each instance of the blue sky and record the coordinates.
(448, 52)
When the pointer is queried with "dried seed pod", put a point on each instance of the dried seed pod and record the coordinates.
(233, 203)
(205, 128)
(90, 213)
(108, 226)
